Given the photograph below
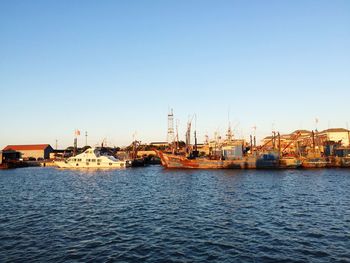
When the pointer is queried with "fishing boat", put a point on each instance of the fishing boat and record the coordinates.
(169, 160)
(317, 162)
(289, 162)
(265, 161)
(93, 158)
(315, 159)
(339, 162)
(345, 162)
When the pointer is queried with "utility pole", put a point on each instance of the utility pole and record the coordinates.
(56, 144)
(86, 135)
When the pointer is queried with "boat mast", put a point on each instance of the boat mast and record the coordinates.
(188, 137)
(279, 145)
(195, 141)
(177, 136)
(254, 140)
(313, 142)
(251, 143)
(195, 133)
(347, 127)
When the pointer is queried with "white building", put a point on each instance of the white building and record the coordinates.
(337, 135)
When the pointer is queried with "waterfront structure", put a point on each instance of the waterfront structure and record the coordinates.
(142, 153)
(159, 144)
(304, 141)
(288, 143)
(9, 155)
(93, 158)
(60, 154)
(336, 135)
(36, 151)
(10, 159)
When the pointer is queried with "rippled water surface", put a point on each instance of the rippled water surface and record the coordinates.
(156, 215)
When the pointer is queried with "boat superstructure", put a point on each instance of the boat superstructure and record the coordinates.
(93, 158)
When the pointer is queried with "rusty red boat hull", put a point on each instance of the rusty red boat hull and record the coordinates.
(181, 162)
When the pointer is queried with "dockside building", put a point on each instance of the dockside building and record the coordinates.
(37, 151)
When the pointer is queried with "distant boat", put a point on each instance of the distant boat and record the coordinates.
(93, 158)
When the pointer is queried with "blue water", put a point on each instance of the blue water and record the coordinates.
(156, 215)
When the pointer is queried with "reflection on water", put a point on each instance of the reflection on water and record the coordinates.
(156, 215)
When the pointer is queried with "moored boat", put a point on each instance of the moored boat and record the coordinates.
(93, 158)
(289, 163)
(317, 162)
(180, 161)
(266, 161)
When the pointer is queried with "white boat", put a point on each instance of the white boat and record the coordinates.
(93, 158)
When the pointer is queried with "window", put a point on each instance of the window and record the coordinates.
(121, 165)
(93, 160)
(99, 160)
(79, 160)
(77, 164)
(110, 163)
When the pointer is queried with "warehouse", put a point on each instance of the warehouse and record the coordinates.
(37, 151)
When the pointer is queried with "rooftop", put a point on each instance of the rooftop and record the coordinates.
(301, 131)
(336, 130)
(27, 147)
(159, 143)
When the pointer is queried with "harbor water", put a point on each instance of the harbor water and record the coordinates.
(156, 215)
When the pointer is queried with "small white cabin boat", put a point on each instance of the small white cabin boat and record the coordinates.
(93, 158)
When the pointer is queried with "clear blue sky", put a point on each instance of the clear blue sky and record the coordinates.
(115, 67)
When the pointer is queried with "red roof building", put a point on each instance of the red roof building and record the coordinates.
(32, 150)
